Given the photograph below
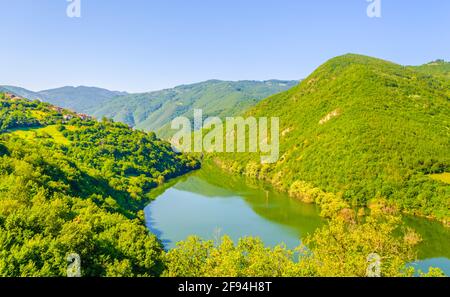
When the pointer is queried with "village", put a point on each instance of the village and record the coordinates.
(67, 114)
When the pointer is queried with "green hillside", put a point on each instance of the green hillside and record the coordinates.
(362, 129)
(438, 68)
(80, 99)
(155, 110)
(69, 184)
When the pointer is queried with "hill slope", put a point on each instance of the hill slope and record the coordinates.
(73, 185)
(21, 92)
(438, 68)
(154, 111)
(80, 99)
(360, 128)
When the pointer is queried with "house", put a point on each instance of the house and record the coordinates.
(83, 116)
(57, 109)
(67, 117)
(12, 97)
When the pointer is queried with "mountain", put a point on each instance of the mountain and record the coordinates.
(154, 111)
(21, 92)
(80, 99)
(74, 188)
(70, 184)
(439, 68)
(362, 129)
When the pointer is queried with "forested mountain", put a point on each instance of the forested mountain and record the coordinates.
(438, 68)
(21, 92)
(361, 129)
(69, 184)
(155, 110)
(80, 99)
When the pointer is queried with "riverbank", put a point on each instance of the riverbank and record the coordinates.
(307, 193)
(211, 202)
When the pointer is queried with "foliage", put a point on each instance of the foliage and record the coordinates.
(65, 188)
(338, 249)
(360, 128)
(358, 132)
(80, 99)
(154, 111)
(436, 68)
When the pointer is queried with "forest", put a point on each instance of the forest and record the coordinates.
(81, 195)
(362, 130)
(72, 184)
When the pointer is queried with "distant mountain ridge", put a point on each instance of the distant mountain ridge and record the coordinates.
(21, 92)
(153, 111)
(81, 99)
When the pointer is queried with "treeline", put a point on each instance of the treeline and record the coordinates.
(14, 115)
(363, 129)
(50, 207)
(84, 197)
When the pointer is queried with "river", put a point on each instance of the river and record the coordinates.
(211, 203)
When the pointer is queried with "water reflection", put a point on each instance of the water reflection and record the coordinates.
(210, 200)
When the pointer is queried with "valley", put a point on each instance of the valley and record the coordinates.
(210, 203)
(364, 154)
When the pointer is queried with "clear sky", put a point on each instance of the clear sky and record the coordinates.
(143, 45)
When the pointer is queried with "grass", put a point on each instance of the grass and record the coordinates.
(443, 177)
(38, 114)
(48, 132)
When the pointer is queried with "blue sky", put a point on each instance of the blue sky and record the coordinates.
(143, 45)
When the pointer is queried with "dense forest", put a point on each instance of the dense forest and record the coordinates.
(360, 130)
(154, 111)
(72, 184)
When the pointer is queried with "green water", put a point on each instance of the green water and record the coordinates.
(210, 203)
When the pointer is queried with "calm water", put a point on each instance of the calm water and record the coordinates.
(210, 203)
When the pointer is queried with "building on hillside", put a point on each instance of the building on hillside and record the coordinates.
(83, 116)
(67, 117)
(57, 109)
(10, 96)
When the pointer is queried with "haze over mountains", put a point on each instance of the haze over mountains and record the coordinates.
(80, 99)
(361, 137)
(359, 126)
(153, 111)
(21, 92)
